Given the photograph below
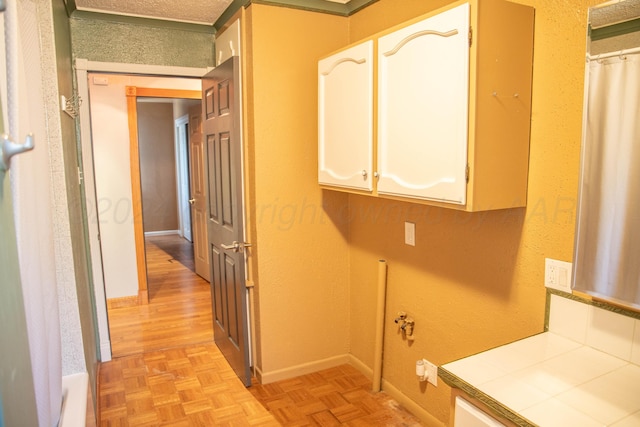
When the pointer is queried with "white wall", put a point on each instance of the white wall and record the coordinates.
(110, 135)
(181, 107)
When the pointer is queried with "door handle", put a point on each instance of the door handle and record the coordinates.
(236, 246)
(192, 201)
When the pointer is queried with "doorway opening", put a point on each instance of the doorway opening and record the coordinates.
(164, 170)
(113, 215)
(114, 211)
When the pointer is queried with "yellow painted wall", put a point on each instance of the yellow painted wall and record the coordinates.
(473, 281)
(300, 266)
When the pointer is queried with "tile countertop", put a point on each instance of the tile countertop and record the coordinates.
(548, 380)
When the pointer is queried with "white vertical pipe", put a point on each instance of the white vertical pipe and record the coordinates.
(382, 291)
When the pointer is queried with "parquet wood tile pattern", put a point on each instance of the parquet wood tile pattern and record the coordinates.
(332, 397)
(167, 371)
(187, 386)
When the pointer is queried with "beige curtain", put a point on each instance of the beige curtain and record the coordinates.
(607, 261)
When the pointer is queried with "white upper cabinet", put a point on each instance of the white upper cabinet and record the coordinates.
(453, 109)
(345, 118)
(423, 86)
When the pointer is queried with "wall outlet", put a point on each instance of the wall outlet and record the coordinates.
(410, 233)
(557, 274)
(432, 372)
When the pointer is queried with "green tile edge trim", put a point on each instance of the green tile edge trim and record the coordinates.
(547, 310)
(600, 304)
(498, 408)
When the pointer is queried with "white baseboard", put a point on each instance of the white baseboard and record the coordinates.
(105, 351)
(161, 233)
(307, 368)
(303, 369)
(397, 395)
(360, 366)
(74, 408)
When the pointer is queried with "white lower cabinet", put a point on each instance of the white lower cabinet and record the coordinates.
(453, 109)
(467, 415)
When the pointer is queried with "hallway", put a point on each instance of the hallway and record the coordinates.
(179, 309)
(167, 370)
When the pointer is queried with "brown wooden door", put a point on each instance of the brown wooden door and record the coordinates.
(198, 197)
(223, 160)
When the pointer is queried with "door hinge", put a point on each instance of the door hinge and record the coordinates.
(470, 36)
(466, 173)
(80, 177)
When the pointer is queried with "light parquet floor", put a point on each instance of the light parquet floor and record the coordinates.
(179, 309)
(332, 397)
(167, 371)
(186, 386)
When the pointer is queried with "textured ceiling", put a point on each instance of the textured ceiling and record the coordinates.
(613, 13)
(192, 11)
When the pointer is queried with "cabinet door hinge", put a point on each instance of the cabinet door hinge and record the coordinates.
(466, 173)
(80, 176)
(470, 36)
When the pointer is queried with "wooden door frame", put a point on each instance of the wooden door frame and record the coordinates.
(132, 94)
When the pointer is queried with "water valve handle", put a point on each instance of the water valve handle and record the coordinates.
(401, 316)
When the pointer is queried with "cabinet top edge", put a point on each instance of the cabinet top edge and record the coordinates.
(474, 5)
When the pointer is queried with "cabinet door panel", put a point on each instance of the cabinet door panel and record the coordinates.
(345, 118)
(423, 108)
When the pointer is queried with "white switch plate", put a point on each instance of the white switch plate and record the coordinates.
(557, 274)
(432, 372)
(100, 81)
(410, 233)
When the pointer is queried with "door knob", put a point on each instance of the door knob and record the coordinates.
(236, 246)
(192, 201)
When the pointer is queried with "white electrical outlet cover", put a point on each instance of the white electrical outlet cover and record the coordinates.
(557, 274)
(432, 372)
(410, 233)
